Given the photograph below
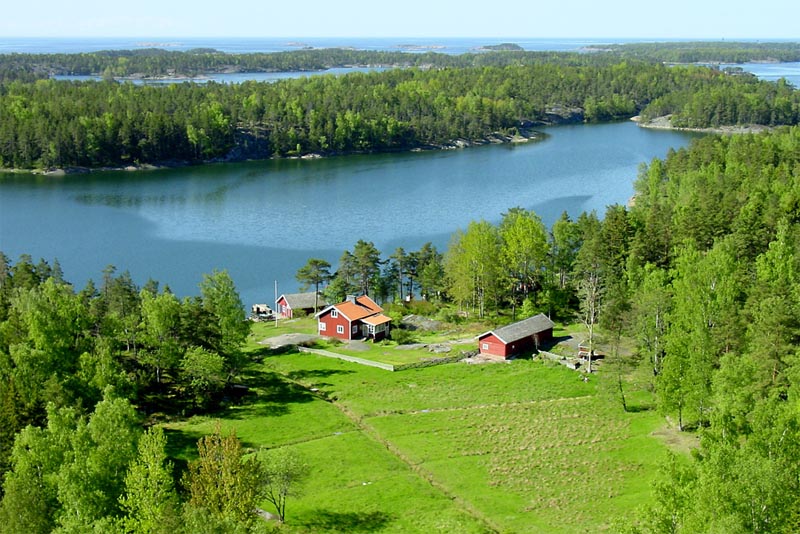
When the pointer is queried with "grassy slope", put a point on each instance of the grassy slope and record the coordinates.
(518, 447)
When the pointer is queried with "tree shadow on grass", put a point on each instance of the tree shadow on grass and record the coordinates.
(258, 354)
(634, 407)
(327, 521)
(554, 341)
(305, 374)
(269, 395)
(181, 444)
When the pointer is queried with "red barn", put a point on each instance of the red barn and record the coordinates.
(288, 303)
(517, 338)
(355, 318)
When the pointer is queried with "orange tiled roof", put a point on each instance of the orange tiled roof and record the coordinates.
(362, 307)
(369, 303)
(377, 319)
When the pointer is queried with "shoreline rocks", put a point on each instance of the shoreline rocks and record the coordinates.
(663, 123)
(241, 153)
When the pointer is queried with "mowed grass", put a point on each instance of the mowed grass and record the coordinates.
(359, 486)
(266, 329)
(391, 353)
(525, 446)
(368, 391)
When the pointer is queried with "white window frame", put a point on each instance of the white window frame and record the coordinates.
(485, 346)
(335, 314)
(339, 329)
(322, 326)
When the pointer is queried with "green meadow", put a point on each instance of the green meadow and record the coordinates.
(525, 446)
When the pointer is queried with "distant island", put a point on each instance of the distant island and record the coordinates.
(406, 46)
(503, 47)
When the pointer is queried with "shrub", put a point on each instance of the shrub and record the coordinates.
(402, 337)
(421, 307)
(450, 315)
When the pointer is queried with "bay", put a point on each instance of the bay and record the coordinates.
(772, 72)
(262, 220)
(227, 77)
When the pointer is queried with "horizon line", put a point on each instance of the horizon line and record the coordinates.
(720, 39)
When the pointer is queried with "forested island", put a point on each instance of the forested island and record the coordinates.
(699, 275)
(427, 100)
(706, 51)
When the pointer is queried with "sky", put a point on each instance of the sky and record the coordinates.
(678, 19)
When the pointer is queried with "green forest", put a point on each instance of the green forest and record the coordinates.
(707, 51)
(700, 273)
(427, 101)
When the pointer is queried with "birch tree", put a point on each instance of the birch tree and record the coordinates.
(588, 275)
(473, 266)
(524, 251)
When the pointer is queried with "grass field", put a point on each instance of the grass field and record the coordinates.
(524, 446)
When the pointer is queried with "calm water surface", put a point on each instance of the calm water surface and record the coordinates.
(263, 220)
(774, 71)
(233, 77)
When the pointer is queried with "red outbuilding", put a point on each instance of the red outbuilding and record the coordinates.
(516, 338)
(355, 318)
(289, 303)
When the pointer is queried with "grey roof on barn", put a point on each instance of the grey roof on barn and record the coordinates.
(303, 301)
(522, 329)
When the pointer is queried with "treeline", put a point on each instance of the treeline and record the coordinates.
(84, 372)
(93, 124)
(154, 62)
(725, 104)
(713, 296)
(63, 346)
(706, 51)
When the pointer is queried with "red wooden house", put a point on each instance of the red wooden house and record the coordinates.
(355, 318)
(516, 338)
(288, 303)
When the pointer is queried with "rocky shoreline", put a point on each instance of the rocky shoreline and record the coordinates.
(664, 123)
(239, 154)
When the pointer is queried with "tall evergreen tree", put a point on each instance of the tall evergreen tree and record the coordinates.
(314, 273)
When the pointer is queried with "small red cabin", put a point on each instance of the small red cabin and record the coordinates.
(288, 303)
(355, 318)
(517, 338)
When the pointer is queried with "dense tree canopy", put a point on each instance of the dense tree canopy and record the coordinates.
(707, 51)
(51, 123)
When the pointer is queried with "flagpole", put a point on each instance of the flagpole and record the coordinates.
(276, 304)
